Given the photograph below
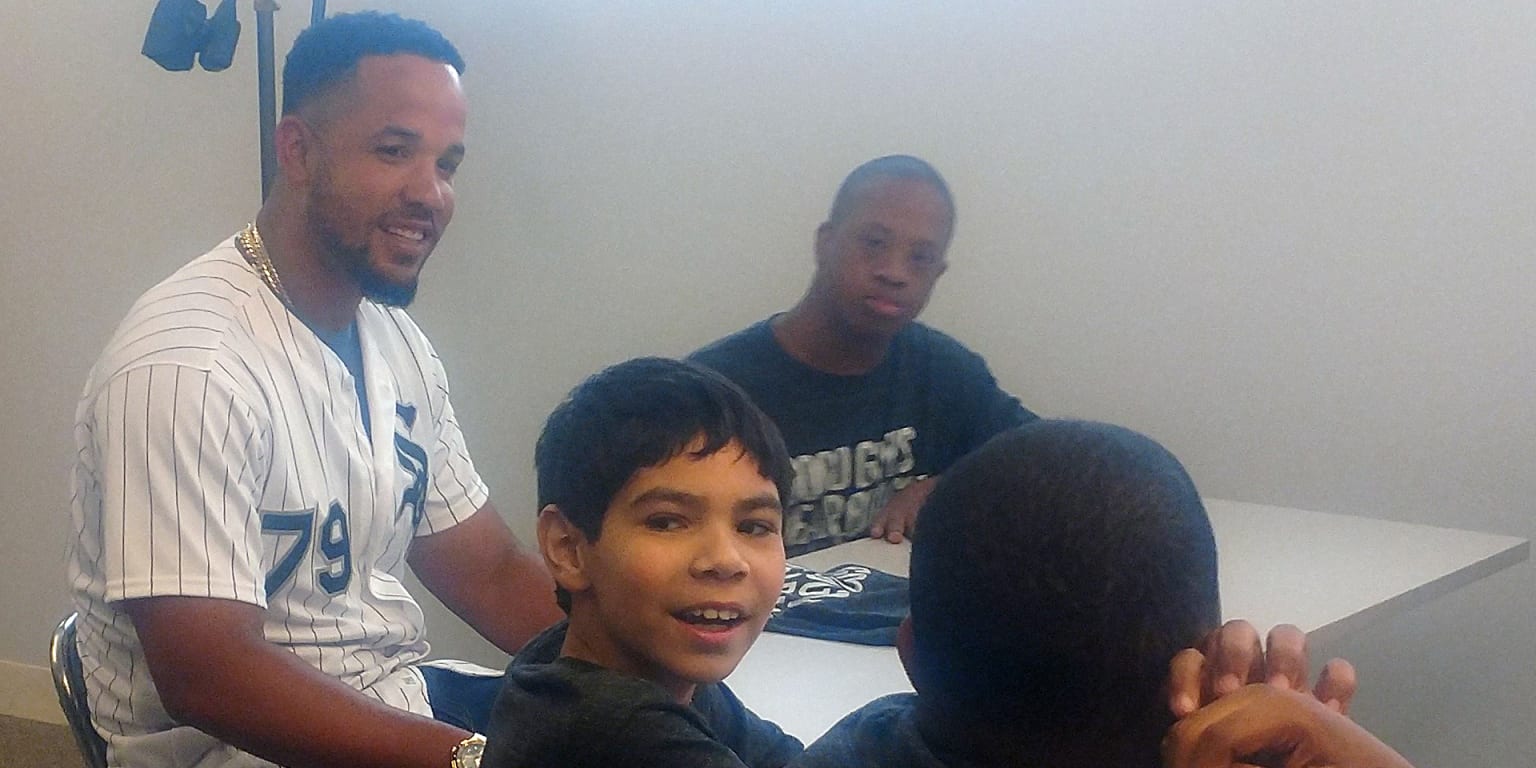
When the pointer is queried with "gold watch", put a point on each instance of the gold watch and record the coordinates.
(466, 754)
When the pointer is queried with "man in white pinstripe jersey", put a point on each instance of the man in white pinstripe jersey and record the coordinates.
(267, 441)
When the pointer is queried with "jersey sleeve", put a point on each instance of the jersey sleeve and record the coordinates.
(455, 489)
(179, 457)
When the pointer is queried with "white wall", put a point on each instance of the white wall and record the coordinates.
(1291, 240)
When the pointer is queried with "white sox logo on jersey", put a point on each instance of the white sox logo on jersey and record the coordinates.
(414, 461)
(296, 534)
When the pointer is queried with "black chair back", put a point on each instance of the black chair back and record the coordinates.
(69, 683)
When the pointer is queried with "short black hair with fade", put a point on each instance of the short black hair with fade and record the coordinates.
(640, 414)
(327, 53)
(888, 167)
(1055, 572)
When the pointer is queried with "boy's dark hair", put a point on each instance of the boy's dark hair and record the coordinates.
(639, 414)
(1055, 572)
(327, 53)
(888, 167)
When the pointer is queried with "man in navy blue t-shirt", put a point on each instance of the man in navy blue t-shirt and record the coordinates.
(873, 405)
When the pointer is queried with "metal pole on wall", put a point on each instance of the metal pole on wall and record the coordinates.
(266, 87)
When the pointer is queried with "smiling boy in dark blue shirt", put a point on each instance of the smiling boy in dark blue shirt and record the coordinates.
(660, 488)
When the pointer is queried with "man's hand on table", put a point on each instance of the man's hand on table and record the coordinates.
(898, 517)
(1232, 657)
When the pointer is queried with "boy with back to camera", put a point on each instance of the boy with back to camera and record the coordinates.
(1055, 573)
(660, 488)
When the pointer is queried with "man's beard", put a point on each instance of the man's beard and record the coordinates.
(383, 291)
(354, 258)
(374, 284)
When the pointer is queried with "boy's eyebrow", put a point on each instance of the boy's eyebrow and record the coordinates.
(694, 500)
(681, 498)
(760, 501)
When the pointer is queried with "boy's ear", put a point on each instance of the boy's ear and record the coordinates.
(563, 546)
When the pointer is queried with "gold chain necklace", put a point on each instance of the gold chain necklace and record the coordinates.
(255, 253)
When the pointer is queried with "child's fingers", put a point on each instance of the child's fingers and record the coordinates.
(1234, 658)
(1184, 681)
(1285, 658)
(1336, 685)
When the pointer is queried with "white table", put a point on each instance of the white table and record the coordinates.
(1328, 574)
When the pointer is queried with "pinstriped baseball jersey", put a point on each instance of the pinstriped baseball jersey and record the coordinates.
(220, 452)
